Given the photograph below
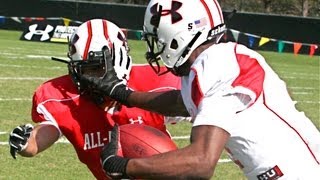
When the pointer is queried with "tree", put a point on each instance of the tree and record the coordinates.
(267, 5)
(303, 8)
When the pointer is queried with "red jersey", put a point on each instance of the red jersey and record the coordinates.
(85, 124)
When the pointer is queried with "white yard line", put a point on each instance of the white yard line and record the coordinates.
(300, 77)
(181, 137)
(15, 99)
(38, 67)
(224, 160)
(304, 88)
(24, 78)
(302, 93)
(309, 102)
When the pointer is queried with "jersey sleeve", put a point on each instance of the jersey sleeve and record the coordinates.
(36, 116)
(42, 110)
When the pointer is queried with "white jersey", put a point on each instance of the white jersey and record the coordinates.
(232, 87)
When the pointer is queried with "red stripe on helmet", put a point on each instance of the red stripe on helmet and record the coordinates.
(218, 8)
(208, 12)
(105, 32)
(85, 53)
(105, 29)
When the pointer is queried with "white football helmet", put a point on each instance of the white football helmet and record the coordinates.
(87, 47)
(174, 28)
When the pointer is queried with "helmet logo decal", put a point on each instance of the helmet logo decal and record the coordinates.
(124, 40)
(72, 48)
(208, 12)
(175, 16)
(200, 22)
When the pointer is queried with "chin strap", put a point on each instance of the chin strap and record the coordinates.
(216, 31)
(187, 49)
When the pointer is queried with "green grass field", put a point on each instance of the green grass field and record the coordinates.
(25, 65)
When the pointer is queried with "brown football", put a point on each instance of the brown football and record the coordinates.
(138, 140)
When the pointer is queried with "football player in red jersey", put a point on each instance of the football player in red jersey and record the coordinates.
(62, 107)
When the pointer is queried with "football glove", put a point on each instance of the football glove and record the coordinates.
(111, 157)
(108, 85)
(18, 138)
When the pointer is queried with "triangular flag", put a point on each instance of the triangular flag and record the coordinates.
(16, 19)
(39, 18)
(313, 48)
(251, 41)
(263, 40)
(235, 34)
(296, 47)
(28, 19)
(138, 35)
(66, 21)
(280, 46)
(2, 19)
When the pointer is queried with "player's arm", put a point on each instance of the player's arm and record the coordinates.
(195, 161)
(28, 141)
(168, 103)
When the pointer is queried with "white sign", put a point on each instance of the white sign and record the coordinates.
(63, 33)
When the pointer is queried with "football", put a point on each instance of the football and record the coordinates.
(138, 140)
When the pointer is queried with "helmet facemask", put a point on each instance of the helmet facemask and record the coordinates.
(155, 47)
(153, 54)
(90, 46)
(95, 66)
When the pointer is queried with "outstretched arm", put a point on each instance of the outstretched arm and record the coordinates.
(40, 138)
(195, 161)
(168, 103)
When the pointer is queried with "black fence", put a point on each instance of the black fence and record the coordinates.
(285, 28)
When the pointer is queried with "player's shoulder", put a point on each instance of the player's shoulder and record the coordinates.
(228, 49)
(143, 78)
(215, 65)
(56, 88)
(215, 58)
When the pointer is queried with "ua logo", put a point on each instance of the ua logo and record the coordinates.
(44, 33)
(175, 16)
(136, 121)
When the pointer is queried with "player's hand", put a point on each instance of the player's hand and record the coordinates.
(18, 138)
(108, 85)
(111, 157)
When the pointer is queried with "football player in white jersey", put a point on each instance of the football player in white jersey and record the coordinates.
(237, 103)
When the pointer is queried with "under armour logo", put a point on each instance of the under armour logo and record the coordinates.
(136, 121)
(175, 16)
(34, 31)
